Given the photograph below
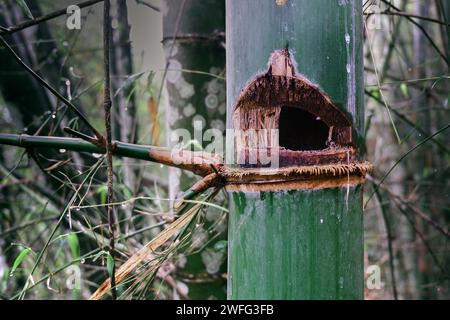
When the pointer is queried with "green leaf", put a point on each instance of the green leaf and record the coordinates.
(102, 191)
(404, 89)
(130, 80)
(375, 93)
(19, 259)
(74, 245)
(23, 5)
(109, 263)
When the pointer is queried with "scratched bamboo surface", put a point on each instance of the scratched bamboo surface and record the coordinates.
(297, 244)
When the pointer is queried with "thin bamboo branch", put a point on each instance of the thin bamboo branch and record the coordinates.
(51, 89)
(409, 15)
(425, 33)
(147, 4)
(407, 121)
(200, 186)
(196, 162)
(33, 22)
(107, 104)
(407, 204)
(390, 238)
(404, 156)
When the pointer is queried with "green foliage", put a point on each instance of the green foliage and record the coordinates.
(74, 245)
(19, 259)
(23, 5)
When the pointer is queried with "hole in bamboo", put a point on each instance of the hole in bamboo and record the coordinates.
(301, 131)
(283, 119)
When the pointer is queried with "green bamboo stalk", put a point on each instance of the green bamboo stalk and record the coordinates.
(300, 244)
(195, 54)
(122, 149)
(198, 163)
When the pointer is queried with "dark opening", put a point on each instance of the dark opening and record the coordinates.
(301, 130)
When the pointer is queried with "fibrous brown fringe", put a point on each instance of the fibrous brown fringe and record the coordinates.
(292, 178)
(236, 175)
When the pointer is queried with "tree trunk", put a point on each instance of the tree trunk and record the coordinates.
(195, 54)
(298, 244)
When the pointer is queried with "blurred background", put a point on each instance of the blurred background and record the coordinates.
(159, 85)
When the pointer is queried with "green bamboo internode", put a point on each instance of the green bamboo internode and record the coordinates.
(297, 244)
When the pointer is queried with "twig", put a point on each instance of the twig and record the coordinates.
(425, 33)
(51, 89)
(82, 136)
(211, 180)
(151, 6)
(409, 15)
(383, 98)
(198, 162)
(407, 121)
(55, 228)
(404, 156)
(55, 14)
(387, 225)
(109, 147)
(401, 201)
(147, 250)
(423, 239)
(28, 224)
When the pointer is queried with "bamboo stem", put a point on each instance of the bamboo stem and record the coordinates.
(55, 14)
(197, 162)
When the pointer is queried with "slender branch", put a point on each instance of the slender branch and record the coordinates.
(51, 89)
(407, 121)
(55, 228)
(425, 33)
(81, 135)
(423, 239)
(197, 162)
(151, 6)
(390, 237)
(404, 156)
(211, 180)
(107, 104)
(401, 201)
(166, 69)
(55, 14)
(409, 15)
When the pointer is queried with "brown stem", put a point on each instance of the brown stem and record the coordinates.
(197, 162)
(109, 147)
